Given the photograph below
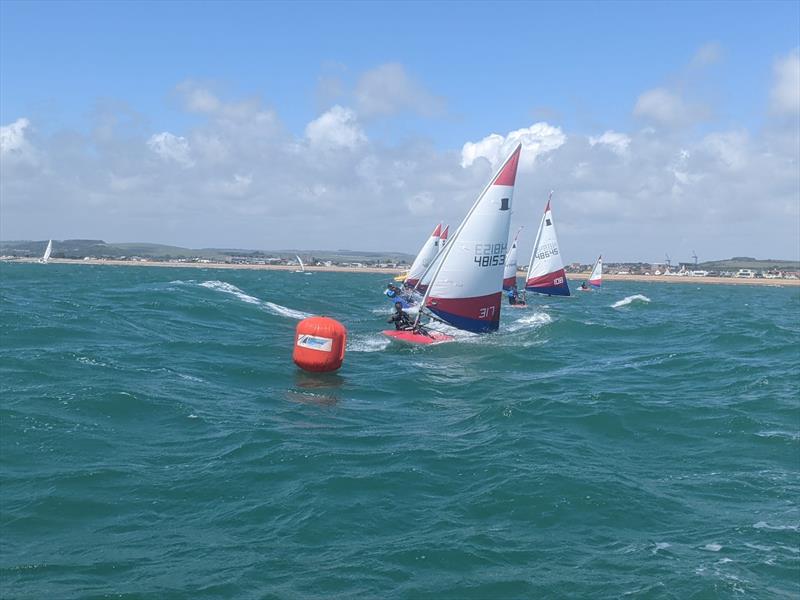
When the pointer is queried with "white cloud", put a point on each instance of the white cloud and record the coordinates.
(631, 194)
(421, 204)
(614, 141)
(707, 55)
(14, 143)
(389, 90)
(337, 128)
(785, 93)
(197, 98)
(662, 106)
(537, 140)
(171, 147)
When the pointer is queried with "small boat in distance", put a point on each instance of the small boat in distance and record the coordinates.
(546, 269)
(46, 257)
(596, 278)
(302, 266)
(464, 290)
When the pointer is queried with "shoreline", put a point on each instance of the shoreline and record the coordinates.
(575, 278)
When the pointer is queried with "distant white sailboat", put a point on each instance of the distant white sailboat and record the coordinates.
(46, 257)
(596, 278)
(302, 266)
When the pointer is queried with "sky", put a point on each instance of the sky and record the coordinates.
(661, 127)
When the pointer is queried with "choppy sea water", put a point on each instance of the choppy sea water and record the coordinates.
(157, 441)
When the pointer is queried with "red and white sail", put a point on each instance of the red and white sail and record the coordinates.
(510, 271)
(443, 237)
(546, 269)
(424, 258)
(596, 278)
(465, 286)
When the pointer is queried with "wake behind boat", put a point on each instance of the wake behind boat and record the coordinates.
(465, 285)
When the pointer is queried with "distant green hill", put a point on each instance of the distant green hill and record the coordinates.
(745, 262)
(78, 249)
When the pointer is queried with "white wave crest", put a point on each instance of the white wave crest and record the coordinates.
(372, 343)
(630, 300)
(275, 309)
(285, 311)
(224, 286)
(531, 321)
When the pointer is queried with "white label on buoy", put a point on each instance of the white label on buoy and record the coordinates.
(315, 343)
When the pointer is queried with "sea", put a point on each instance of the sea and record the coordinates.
(156, 441)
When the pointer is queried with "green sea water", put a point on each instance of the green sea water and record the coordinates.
(156, 441)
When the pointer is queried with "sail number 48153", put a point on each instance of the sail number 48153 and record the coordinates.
(490, 255)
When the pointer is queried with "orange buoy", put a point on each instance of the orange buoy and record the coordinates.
(319, 344)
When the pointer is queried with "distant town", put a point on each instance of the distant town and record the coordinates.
(98, 250)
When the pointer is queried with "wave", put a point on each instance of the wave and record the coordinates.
(369, 343)
(272, 307)
(638, 298)
(224, 286)
(532, 321)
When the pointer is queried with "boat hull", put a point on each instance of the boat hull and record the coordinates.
(409, 337)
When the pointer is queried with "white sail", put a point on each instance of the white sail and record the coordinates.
(47, 251)
(596, 278)
(302, 266)
(465, 286)
(546, 269)
(423, 260)
(510, 272)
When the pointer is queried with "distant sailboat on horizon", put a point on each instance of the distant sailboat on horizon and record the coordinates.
(46, 256)
(302, 266)
(596, 278)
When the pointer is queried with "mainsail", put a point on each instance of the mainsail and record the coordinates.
(423, 260)
(546, 269)
(300, 260)
(510, 271)
(443, 237)
(465, 286)
(596, 278)
(47, 251)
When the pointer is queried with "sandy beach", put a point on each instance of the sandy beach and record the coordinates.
(575, 278)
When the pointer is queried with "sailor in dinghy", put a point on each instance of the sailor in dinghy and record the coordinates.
(465, 284)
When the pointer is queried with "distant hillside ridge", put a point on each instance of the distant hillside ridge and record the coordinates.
(79, 249)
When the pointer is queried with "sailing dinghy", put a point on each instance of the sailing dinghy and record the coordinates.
(596, 278)
(47, 251)
(546, 269)
(302, 266)
(464, 290)
(510, 271)
(424, 258)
